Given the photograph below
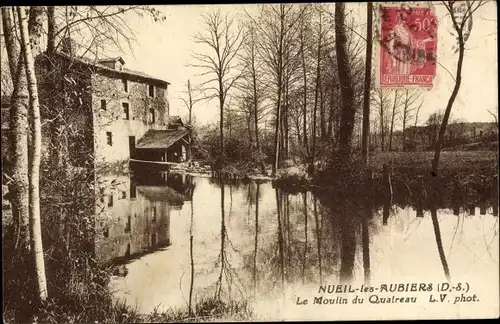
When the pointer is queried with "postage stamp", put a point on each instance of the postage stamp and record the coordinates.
(408, 46)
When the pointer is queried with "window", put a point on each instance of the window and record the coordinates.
(125, 111)
(152, 115)
(103, 104)
(110, 200)
(154, 214)
(129, 224)
(151, 90)
(124, 195)
(106, 232)
(125, 85)
(109, 138)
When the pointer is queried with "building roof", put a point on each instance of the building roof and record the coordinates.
(161, 139)
(165, 194)
(104, 68)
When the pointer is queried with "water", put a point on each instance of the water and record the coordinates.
(271, 256)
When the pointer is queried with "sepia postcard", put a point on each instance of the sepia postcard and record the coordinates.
(250, 162)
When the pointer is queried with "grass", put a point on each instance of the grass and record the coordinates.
(449, 160)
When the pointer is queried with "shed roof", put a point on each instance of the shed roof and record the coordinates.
(161, 139)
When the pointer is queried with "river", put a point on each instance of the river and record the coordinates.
(250, 241)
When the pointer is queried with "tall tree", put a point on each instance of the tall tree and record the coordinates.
(34, 162)
(277, 30)
(368, 74)
(410, 100)
(317, 90)
(224, 45)
(461, 18)
(189, 102)
(395, 105)
(382, 100)
(18, 126)
(252, 82)
(346, 81)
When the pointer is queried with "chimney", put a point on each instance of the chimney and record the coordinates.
(68, 46)
(113, 63)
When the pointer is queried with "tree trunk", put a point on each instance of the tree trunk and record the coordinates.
(392, 119)
(10, 37)
(382, 124)
(444, 123)
(316, 93)
(51, 30)
(304, 106)
(405, 117)
(190, 149)
(221, 122)
(345, 77)
(18, 125)
(34, 164)
(368, 77)
(278, 103)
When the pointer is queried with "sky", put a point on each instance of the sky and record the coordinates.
(163, 49)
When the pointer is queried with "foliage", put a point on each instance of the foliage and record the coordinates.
(240, 156)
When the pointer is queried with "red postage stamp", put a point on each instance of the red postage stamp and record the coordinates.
(407, 51)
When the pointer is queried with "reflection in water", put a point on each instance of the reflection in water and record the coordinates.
(305, 236)
(439, 241)
(191, 224)
(318, 238)
(222, 256)
(280, 239)
(137, 223)
(254, 275)
(350, 240)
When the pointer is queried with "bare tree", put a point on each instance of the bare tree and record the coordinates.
(409, 101)
(461, 18)
(346, 81)
(395, 105)
(368, 82)
(189, 102)
(317, 89)
(18, 126)
(220, 64)
(278, 26)
(382, 100)
(34, 161)
(252, 82)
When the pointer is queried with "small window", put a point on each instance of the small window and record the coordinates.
(110, 200)
(125, 85)
(103, 104)
(109, 138)
(106, 232)
(125, 111)
(152, 116)
(154, 214)
(129, 224)
(151, 90)
(124, 195)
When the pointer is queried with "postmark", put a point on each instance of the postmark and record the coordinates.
(407, 49)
